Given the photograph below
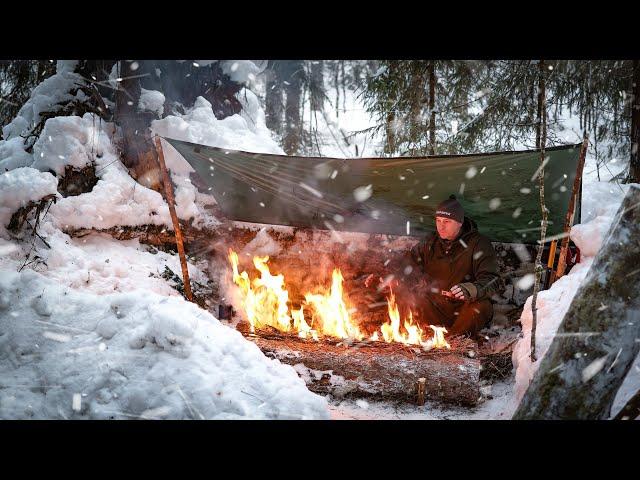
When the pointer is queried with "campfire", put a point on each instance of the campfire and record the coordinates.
(324, 313)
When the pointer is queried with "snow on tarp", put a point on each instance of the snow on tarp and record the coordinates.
(44, 98)
(19, 187)
(69, 354)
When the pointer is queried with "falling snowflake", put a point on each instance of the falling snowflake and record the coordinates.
(526, 282)
(494, 203)
(76, 402)
(593, 368)
(472, 172)
(363, 193)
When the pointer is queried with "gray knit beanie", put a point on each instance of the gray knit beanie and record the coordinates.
(450, 208)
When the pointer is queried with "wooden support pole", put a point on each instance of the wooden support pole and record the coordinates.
(552, 254)
(562, 260)
(168, 189)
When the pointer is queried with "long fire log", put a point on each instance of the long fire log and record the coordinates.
(381, 371)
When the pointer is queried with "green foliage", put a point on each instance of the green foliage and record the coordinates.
(492, 105)
(17, 79)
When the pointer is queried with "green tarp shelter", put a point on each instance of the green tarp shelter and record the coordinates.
(389, 195)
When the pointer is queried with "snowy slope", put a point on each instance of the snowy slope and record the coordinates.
(71, 354)
(88, 327)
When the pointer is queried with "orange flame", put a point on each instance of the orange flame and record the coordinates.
(265, 303)
(331, 311)
(413, 334)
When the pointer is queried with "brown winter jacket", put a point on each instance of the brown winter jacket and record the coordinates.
(469, 260)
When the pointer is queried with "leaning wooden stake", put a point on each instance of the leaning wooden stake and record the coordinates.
(421, 388)
(168, 189)
(568, 222)
(596, 344)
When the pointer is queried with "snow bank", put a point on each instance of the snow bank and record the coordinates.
(116, 199)
(262, 244)
(67, 354)
(19, 187)
(72, 141)
(200, 125)
(600, 204)
(44, 97)
(151, 101)
(245, 131)
(240, 71)
(12, 154)
(99, 264)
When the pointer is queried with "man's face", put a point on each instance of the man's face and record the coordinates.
(448, 228)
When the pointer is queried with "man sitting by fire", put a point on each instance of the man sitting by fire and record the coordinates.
(460, 272)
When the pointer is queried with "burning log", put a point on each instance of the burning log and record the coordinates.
(379, 370)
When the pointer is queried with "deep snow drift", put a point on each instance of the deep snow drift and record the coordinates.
(89, 328)
(70, 354)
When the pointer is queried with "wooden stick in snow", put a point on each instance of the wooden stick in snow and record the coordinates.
(562, 260)
(542, 108)
(168, 189)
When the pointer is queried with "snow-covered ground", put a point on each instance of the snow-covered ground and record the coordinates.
(91, 329)
(493, 406)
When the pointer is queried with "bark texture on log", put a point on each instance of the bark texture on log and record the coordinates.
(381, 371)
(598, 339)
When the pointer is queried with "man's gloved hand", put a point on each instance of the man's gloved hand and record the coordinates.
(464, 291)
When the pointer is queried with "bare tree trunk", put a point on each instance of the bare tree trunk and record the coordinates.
(273, 98)
(139, 153)
(602, 326)
(337, 87)
(390, 138)
(292, 140)
(634, 162)
(542, 129)
(316, 86)
(432, 108)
